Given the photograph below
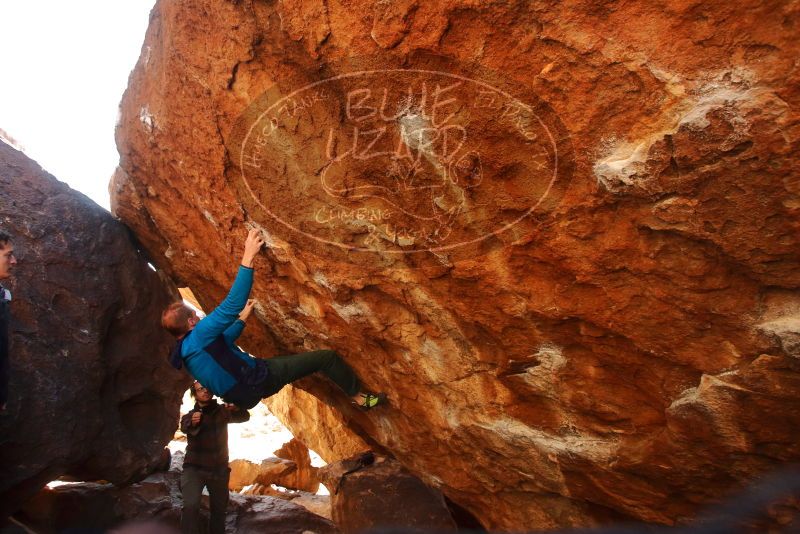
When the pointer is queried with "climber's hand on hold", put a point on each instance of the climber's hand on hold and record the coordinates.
(247, 310)
(252, 245)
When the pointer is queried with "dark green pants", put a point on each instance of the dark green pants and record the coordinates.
(193, 480)
(286, 369)
(282, 370)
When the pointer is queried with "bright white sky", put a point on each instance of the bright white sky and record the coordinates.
(63, 68)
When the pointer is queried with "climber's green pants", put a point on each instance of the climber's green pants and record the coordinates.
(286, 369)
(282, 370)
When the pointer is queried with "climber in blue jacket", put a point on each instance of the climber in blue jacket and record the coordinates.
(207, 347)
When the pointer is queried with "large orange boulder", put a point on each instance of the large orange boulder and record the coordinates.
(563, 237)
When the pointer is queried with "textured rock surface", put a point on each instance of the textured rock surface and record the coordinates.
(316, 424)
(383, 494)
(304, 478)
(627, 351)
(245, 473)
(269, 514)
(316, 504)
(91, 394)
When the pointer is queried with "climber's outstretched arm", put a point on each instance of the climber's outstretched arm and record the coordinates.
(226, 314)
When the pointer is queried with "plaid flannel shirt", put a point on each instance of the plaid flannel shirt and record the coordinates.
(207, 442)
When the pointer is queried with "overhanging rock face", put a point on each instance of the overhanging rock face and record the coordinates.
(91, 394)
(562, 237)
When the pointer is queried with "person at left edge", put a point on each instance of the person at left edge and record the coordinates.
(7, 263)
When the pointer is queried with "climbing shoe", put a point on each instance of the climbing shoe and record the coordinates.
(371, 400)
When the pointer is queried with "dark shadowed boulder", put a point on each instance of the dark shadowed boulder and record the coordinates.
(381, 493)
(277, 516)
(91, 393)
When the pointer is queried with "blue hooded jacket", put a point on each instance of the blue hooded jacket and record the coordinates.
(209, 350)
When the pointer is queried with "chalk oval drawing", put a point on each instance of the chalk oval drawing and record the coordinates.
(401, 161)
